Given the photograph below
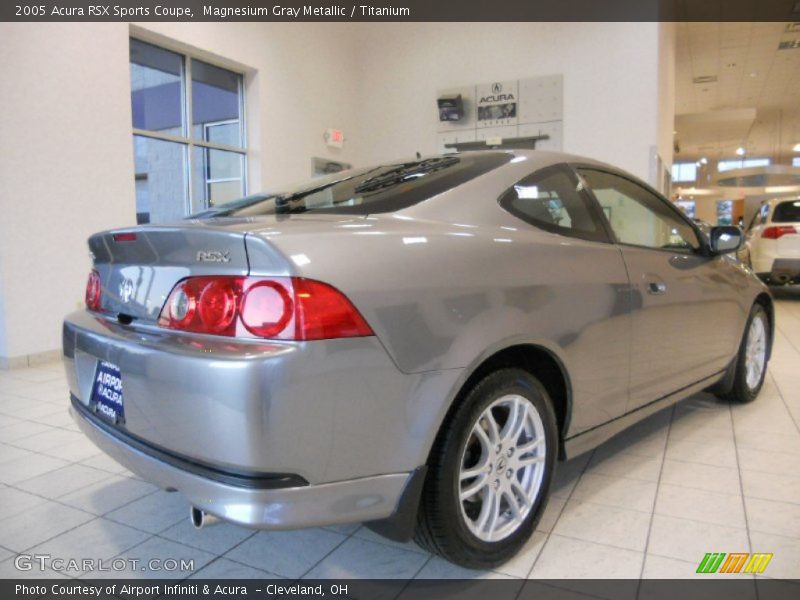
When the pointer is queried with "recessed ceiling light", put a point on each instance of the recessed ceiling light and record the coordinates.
(731, 65)
(796, 147)
(704, 161)
(740, 151)
(753, 74)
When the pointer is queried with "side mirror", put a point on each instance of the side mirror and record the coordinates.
(725, 239)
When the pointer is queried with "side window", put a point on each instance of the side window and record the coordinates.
(552, 199)
(637, 216)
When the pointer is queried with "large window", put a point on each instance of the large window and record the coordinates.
(637, 216)
(741, 163)
(554, 200)
(188, 133)
(684, 172)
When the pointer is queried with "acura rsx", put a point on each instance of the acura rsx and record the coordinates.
(414, 345)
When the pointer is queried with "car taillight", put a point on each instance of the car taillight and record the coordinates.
(93, 293)
(286, 308)
(774, 232)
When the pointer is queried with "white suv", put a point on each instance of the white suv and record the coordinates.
(773, 241)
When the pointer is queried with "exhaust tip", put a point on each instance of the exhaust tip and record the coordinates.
(200, 518)
(197, 517)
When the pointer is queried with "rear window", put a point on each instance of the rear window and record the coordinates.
(787, 212)
(382, 189)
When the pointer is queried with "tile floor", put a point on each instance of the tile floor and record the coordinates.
(702, 476)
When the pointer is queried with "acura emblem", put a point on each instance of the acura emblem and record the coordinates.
(126, 290)
(497, 88)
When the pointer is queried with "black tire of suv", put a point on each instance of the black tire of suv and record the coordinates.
(440, 525)
(740, 391)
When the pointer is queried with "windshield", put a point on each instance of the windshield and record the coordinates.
(386, 188)
(787, 212)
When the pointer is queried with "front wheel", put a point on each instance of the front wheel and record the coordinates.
(490, 472)
(751, 361)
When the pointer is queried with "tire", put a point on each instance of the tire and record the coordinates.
(746, 382)
(461, 531)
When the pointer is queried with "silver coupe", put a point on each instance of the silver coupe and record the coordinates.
(414, 345)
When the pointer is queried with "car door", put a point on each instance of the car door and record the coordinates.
(684, 308)
(581, 274)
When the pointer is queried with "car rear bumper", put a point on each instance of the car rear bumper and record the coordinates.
(778, 270)
(789, 267)
(281, 505)
(325, 411)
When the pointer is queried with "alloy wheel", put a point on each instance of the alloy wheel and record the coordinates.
(755, 351)
(502, 468)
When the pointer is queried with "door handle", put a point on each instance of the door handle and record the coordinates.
(656, 287)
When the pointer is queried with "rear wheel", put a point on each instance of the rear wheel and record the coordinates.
(490, 472)
(751, 362)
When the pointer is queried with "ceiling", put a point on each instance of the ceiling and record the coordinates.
(746, 71)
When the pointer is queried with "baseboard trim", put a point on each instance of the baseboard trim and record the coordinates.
(9, 363)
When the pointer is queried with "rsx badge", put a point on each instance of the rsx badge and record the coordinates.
(213, 256)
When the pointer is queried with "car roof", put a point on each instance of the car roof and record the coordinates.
(774, 201)
(545, 158)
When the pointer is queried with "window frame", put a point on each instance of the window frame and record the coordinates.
(187, 140)
(742, 160)
(603, 234)
(677, 166)
(703, 248)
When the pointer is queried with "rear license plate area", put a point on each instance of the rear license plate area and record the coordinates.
(107, 399)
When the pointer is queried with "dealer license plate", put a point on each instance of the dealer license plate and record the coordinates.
(107, 398)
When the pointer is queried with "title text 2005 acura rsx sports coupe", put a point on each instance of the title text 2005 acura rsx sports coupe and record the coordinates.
(413, 345)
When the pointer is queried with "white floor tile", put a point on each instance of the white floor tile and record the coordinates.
(222, 568)
(690, 540)
(286, 553)
(718, 453)
(699, 505)
(360, 559)
(709, 478)
(108, 494)
(8, 453)
(767, 516)
(785, 563)
(623, 464)
(152, 513)
(22, 430)
(521, 564)
(661, 567)
(39, 524)
(29, 466)
(60, 482)
(568, 558)
(97, 539)
(163, 551)
(438, 568)
(602, 524)
(217, 537)
(769, 486)
(616, 491)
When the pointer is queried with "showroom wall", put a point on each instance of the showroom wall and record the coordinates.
(67, 168)
(68, 160)
(611, 82)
